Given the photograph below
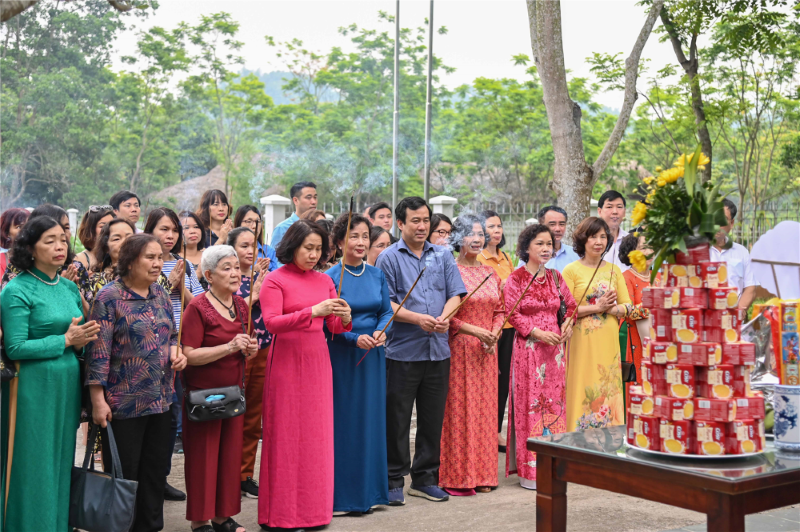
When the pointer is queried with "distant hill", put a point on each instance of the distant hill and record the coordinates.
(273, 86)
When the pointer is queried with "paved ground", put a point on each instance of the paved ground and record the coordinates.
(509, 508)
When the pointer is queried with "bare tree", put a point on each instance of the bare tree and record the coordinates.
(574, 177)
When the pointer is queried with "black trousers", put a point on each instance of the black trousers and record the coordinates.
(505, 348)
(425, 382)
(143, 446)
(175, 417)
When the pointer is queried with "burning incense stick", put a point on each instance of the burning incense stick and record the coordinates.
(344, 248)
(468, 296)
(396, 311)
(516, 304)
(183, 293)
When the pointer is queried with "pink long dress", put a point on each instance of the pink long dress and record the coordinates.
(296, 476)
(469, 433)
(538, 402)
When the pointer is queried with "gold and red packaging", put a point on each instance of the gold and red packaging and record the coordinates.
(655, 297)
(674, 409)
(660, 325)
(641, 404)
(789, 316)
(750, 407)
(741, 381)
(691, 298)
(680, 380)
(667, 353)
(676, 275)
(694, 255)
(722, 410)
(713, 274)
(701, 353)
(643, 432)
(723, 298)
(677, 437)
(654, 381)
(743, 437)
(716, 382)
(739, 353)
(722, 326)
(711, 437)
(687, 325)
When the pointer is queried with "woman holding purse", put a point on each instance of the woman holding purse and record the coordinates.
(217, 347)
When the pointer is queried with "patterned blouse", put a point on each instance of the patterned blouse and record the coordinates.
(91, 282)
(264, 337)
(130, 358)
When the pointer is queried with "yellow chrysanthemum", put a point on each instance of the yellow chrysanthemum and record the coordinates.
(650, 196)
(684, 159)
(638, 260)
(661, 182)
(671, 175)
(649, 180)
(658, 168)
(639, 212)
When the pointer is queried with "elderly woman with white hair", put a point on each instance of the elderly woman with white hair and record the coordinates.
(216, 347)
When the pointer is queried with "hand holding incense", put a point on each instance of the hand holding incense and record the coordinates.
(252, 284)
(515, 306)
(396, 311)
(183, 293)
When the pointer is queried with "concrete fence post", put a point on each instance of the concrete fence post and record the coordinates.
(443, 205)
(72, 214)
(274, 208)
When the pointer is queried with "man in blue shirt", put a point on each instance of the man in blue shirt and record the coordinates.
(304, 198)
(555, 218)
(417, 350)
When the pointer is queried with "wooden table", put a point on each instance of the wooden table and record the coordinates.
(724, 490)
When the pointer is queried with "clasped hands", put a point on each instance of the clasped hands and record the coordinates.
(551, 338)
(244, 343)
(431, 324)
(336, 306)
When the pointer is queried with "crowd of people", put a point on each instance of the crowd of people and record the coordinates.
(333, 332)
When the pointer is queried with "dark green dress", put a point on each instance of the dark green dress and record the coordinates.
(35, 318)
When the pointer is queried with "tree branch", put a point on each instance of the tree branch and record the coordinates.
(631, 76)
(12, 8)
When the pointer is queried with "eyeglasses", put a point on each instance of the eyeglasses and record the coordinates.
(251, 222)
(98, 208)
(442, 233)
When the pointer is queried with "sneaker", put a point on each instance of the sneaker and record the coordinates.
(250, 488)
(173, 494)
(178, 445)
(396, 497)
(432, 493)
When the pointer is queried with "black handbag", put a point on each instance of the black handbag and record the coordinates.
(561, 315)
(8, 369)
(99, 501)
(212, 404)
(628, 368)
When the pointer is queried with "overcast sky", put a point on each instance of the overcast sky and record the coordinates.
(482, 37)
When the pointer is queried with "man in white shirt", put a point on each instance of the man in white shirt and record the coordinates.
(611, 209)
(555, 218)
(740, 271)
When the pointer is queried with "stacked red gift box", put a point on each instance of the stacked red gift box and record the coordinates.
(695, 396)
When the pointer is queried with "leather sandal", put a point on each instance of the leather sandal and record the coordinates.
(204, 528)
(228, 526)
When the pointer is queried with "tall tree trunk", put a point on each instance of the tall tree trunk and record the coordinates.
(691, 67)
(573, 177)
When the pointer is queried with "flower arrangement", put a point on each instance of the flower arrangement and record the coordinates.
(677, 210)
(594, 420)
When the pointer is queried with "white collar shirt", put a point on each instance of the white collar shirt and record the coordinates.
(613, 254)
(740, 270)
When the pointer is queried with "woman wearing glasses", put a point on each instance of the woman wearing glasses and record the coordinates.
(441, 226)
(93, 222)
(248, 216)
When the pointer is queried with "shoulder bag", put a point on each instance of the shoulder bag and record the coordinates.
(561, 315)
(99, 501)
(217, 403)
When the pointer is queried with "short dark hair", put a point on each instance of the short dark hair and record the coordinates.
(86, 231)
(526, 237)
(376, 232)
(339, 230)
(488, 213)
(101, 246)
(9, 219)
(293, 239)
(312, 214)
(208, 198)
(463, 227)
(121, 197)
(586, 229)
(233, 236)
(48, 209)
(131, 250)
(164, 212)
(610, 195)
(628, 244)
(242, 211)
(201, 244)
(378, 206)
(411, 203)
(21, 254)
(731, 207)
(436, 220)
(554, 208)
(298, 187)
